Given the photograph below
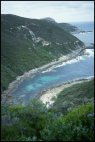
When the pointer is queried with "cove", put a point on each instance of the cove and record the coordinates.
(81, 67)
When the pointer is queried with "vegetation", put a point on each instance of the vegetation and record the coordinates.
(74, 96)
(30, 43)
(23, 45)
(75, 126)
(35, 122)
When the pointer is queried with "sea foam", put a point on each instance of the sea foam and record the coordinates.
(87, 53)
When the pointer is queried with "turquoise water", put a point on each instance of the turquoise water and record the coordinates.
(78, 69)
(31, 87)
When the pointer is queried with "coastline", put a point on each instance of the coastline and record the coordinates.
(14, 84)
(47, 97)
(6, 97)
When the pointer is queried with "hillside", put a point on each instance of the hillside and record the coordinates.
(30, 43)
(74, 96)
(65, 26)
(68, 27)
(35, 122)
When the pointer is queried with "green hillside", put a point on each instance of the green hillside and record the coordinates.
(74, 96)
(35, 122)
(30, 43)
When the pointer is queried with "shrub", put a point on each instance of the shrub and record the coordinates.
(76, 125)
(35, 122)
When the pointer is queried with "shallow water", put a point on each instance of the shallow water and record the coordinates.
(81, 67)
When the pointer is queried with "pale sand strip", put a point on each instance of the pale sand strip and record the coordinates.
(47, 97)
(13, 85)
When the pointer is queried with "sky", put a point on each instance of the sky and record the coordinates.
(61, 11)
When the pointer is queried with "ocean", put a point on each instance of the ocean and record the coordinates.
(88, 36)
(81, 67)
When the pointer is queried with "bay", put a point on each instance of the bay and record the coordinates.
(81, 67)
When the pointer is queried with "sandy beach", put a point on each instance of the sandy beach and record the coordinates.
(13, 85)
(47, 96)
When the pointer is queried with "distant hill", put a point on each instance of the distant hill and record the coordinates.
(68, 27)
(30, 43)
(65, 26)
(49, 19)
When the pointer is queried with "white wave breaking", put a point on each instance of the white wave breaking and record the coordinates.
(87, 53)
(90, 52)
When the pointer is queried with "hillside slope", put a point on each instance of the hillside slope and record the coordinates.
(30, 43)
(74, 96)
(18, 121)
(68, 27)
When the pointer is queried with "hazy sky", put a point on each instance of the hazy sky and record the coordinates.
(61, 11)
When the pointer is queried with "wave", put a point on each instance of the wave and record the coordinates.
(90, 52)
(87, 53)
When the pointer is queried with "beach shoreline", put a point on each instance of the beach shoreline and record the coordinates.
(47, 96)
(14, 84)
(45, 68)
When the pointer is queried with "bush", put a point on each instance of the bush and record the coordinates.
(25, 121)
(35, 122)
(76, 125)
